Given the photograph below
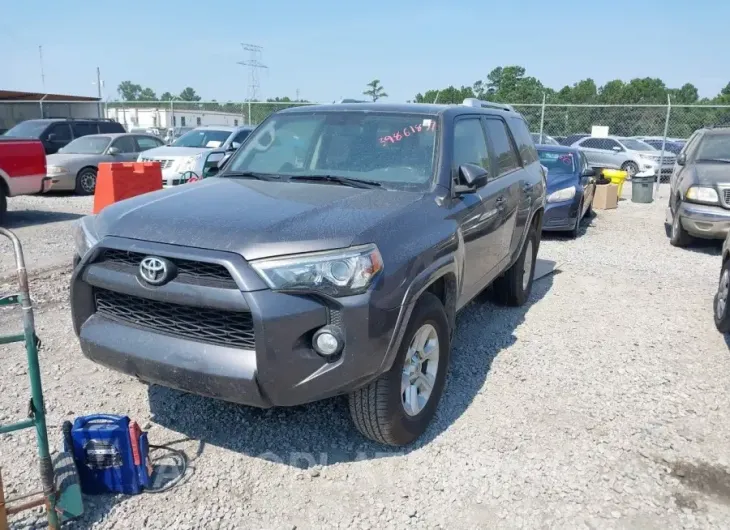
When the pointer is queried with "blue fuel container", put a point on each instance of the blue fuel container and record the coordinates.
(111, 454)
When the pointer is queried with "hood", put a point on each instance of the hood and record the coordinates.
(709, 174)
(558, 181)
(253, 218)
(64, 159)
(165, 152)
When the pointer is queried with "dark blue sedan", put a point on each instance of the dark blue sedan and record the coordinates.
(571, 185)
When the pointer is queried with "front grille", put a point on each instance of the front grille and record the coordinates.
(194, 272)
(726, 196)
(164, 163)
(211, 326)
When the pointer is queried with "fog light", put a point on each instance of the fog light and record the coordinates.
(327, 341)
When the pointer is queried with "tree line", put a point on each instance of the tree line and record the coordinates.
(511, 84)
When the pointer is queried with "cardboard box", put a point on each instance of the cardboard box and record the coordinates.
(606, 197)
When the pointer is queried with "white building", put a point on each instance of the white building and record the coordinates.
(164, 117)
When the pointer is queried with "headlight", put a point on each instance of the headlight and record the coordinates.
(565, 194)
(336, 273)
(190, 164)
(702, 194)
(56, 170)
(85, 236)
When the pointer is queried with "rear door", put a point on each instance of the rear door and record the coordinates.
(504, 189)
(594, 150)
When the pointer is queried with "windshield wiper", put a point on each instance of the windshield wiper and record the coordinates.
(345, 181)
(250, 174)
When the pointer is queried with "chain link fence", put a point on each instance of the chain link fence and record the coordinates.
(557, 120)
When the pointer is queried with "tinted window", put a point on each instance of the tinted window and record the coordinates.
(84, 128)
(394, 149)
(470, 146)
(241, 136)
(110, 127)
(714, 147)
(594, 143)
(525, 145)
(145, 142)
(502, 144)
(62, 132)
(125, 144)
(28, 129)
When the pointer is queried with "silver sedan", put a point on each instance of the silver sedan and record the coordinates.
(74, 167)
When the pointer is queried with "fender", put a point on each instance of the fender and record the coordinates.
(439, 268)
(516, 254)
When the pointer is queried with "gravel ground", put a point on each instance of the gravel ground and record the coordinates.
(602, 404)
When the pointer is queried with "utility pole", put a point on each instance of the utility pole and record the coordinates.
(254, 64)
(43, 75)
(98, 88)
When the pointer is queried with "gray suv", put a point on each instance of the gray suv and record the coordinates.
(329, 256)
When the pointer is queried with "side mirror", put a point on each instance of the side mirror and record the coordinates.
(617, 149)
(113, 151)
(234, 146)
(51, 137)
(590, 172)
(213, 163)
(471, 177)
(682, 159)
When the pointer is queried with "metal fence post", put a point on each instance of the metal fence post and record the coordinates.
(664, 141)
(542, 116)
(249, 112)
(172, 113)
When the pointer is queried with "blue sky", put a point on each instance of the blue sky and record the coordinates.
(329, 50)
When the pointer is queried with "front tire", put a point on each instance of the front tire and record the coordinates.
(396, 408)
(86, 181)
(721, 302)
(678, 236)
(631, 168)
(514, 286)
(575, 232)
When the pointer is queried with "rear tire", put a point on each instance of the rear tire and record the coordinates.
(378, 410)
(86, 181)
(514, 286)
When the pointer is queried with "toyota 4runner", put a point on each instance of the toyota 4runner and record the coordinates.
(329, 256)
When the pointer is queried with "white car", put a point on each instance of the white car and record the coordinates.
(629, 154)
(187, 153)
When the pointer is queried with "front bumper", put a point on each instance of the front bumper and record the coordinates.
(278, 368)
(58, 182)
(560, 215)
(172, 177)
(705, 221)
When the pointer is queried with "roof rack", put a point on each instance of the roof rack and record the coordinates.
(480, 103)
(351, 101)
(76, 119)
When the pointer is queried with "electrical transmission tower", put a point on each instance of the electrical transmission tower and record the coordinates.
(254, 65)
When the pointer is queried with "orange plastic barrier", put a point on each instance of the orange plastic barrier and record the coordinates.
(116, 181)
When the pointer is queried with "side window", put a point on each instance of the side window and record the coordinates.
(583, 161)
(235, 123)
(61, 131)
(507, 159)
(241, 136)
(182, 121)
(690, 146)
(145, 142)
(525, 144)
(198, 121)
(125, 144)
(470, 146)
(84, 129)
(592, 143)
(609, 144)
(106, 127)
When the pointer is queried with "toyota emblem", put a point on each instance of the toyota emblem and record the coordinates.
(155, 271)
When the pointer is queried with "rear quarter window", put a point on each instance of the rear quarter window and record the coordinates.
(523, 139)
(110, 127)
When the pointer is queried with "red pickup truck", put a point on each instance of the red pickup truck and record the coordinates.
(22, 169)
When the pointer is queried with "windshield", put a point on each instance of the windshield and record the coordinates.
(203, 138)
(557, 161)
(28, 129)
(636, 145)
(87, 145)
(714, 147)
(395, 150)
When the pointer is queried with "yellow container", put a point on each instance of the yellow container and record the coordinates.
(617, 176)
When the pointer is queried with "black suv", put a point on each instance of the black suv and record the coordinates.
(55, 133)
(329, 256)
